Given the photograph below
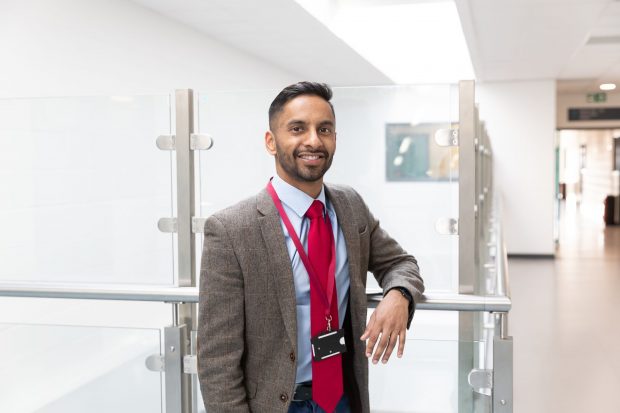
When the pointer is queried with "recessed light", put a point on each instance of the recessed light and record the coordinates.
(608, 86)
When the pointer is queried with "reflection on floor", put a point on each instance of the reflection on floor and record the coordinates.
(566, 320)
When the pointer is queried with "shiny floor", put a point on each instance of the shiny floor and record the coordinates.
(566, 320)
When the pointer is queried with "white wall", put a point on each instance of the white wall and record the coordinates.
(521, 121)
(109, 47)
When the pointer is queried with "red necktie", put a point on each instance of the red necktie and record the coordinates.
(327, 387)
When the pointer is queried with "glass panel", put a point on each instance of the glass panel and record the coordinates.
(432, 374)
(425, 379)
(238, 165)
(374, 125)
(82, 188)
(387, 152)
(64, 369)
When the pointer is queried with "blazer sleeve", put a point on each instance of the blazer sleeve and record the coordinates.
(391, 265)
(221, 322)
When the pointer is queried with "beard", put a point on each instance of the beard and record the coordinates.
(304, 173)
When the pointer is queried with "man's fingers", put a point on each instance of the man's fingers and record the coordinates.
(371, 322)
(385, 339)
(371, 343)
(390, 347)
(401, 343)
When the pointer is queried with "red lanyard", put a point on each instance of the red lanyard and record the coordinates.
(326, 296)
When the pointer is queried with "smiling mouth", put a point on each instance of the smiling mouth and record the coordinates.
(311, 156)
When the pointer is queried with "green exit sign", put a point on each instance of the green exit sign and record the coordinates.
(597, 97)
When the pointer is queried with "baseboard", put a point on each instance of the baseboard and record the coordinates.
(532, 256)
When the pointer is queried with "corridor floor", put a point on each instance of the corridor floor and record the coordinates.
(566, 321)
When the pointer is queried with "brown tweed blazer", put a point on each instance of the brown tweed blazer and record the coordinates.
(247, 332)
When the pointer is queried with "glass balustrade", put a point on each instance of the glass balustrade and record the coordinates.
(82, 188)
(424, 380)
(71, 369)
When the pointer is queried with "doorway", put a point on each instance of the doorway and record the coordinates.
(588, 161)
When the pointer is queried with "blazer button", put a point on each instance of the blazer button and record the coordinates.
(283, 397)
(292, 356)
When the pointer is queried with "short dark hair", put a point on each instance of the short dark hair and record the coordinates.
(290, 92)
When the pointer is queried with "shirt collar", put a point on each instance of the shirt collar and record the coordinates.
(294, 198)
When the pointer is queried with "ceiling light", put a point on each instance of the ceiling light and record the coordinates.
(608, 86)
(398, 161)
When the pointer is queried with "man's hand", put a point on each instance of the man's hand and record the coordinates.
(387, 324)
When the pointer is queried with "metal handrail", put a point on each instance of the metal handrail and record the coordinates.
(430, 301)
(126, 292)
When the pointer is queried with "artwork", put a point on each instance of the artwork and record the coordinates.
(413, 155)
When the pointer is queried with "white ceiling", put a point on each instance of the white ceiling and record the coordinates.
(280, 32)
(507, 39)
(544, 39)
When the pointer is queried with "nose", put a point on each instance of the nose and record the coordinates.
(312, 139)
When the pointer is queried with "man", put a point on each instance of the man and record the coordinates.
(282, 324)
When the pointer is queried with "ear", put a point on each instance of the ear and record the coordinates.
(270, 143)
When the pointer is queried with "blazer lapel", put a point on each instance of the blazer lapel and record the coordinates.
(357, 290)
(344, 212)
(282, 272)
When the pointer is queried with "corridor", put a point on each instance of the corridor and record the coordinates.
(565, 320)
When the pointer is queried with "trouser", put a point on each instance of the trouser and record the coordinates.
(310, 406)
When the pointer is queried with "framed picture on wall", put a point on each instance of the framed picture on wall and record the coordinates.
(413, 155)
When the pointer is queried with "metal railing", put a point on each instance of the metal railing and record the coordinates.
(182, 295)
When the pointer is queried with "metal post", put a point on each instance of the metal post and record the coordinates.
(187, 314)
(502, 367)
(467, 187)
(194, 376)
(185, 187)
(175, 314)
(176, 382)
(467, 230)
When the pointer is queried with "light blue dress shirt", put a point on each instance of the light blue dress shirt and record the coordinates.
(296, 203)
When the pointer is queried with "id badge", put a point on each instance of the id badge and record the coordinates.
(328, 344)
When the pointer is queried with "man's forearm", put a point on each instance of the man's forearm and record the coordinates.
(391, 265)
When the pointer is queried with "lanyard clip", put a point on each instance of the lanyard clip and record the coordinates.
(328, 318)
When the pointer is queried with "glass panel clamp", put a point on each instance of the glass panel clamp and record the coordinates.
(447, 137)
(481, 381)
(170, 225)
(190, 364)
(447, 226)
(155, 362)
(167, 225)
(197, 142)
(198, 225)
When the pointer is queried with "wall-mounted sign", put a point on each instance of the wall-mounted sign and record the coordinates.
(597, 97)
(577, 114)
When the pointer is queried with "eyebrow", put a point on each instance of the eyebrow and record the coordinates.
(301, 122)
(295, 122)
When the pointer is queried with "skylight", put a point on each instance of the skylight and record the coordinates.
(410, 41)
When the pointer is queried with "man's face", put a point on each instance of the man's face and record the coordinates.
(303, 139)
